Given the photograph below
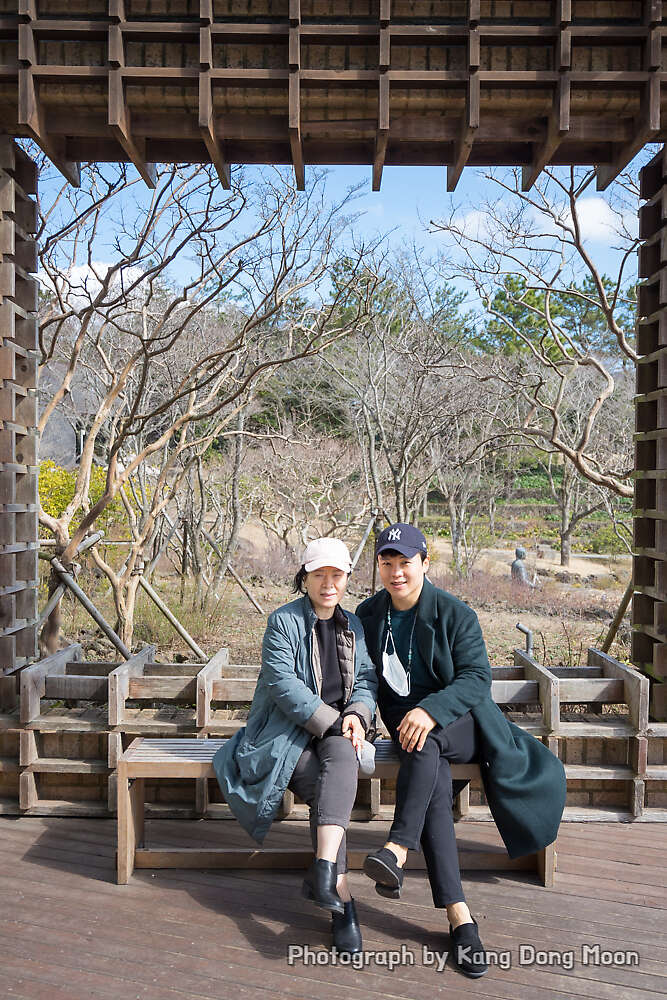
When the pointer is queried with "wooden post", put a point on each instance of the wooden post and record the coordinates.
(70, 582)
(618, 617)
(157, 600)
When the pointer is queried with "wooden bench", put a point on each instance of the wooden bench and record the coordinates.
(192, 758)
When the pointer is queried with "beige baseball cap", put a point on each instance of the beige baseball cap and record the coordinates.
(326, 552)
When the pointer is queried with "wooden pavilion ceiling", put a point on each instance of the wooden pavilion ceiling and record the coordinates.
(376, 82)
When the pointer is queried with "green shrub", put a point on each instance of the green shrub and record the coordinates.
(605, 541)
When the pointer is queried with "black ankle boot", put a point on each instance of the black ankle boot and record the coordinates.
(346, 931)
(320, 886)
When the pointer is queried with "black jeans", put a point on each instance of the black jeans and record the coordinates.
(325, 777)
(424, 796)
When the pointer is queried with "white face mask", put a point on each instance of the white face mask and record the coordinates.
(393, 670)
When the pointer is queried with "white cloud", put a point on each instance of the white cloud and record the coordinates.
(81, 283)
(475, 224)
(598, 222)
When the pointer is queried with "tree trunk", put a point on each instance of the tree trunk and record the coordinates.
(232, 541)
(565, 545)
(49, 638)
(125, 599)
(454, 531)
(184, 559)
(372, 462)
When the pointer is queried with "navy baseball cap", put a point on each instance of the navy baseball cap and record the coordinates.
(404, 538)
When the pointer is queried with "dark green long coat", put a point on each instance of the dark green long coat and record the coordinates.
(524, 782)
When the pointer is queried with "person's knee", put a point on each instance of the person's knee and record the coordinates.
(305, 779)
(429, 752)
(339, 752)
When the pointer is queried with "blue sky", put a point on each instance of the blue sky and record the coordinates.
(411, 196)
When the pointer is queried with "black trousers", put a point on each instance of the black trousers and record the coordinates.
(424, 797)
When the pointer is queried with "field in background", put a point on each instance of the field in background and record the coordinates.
(566, 616)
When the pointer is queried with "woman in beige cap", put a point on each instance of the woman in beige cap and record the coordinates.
(314, 700)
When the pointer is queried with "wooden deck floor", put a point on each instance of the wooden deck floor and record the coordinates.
(67, 931)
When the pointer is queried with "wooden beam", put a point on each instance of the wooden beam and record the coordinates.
(648, 131)
(30, 114)
(31, 118)
(382, 134)
(294, 94)
(119, 122)
(382, 131)
(557, 128)
(118, 112)
(207, 126)
(208, 131)
(117, 11)
(469, 127)
(470, 123)
(563, 12)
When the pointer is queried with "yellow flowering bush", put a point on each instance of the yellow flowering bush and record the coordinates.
(56, 489)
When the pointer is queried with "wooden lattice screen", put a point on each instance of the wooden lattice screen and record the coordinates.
(649, 650)
(18, 407)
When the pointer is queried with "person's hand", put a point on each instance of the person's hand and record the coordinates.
(414, 728)
(354, 730)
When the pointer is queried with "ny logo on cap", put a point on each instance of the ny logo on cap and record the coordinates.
(394, 535)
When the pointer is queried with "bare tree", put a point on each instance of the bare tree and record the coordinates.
(172, 360)
(553, 313)
(466, 470)
(304, 487)
(396, 381)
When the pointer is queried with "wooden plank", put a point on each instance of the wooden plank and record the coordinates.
(548, 686)
(180, 688)
(233, 689)
(239, 857)
(119, 682)
(514, 692)
(605, 690)
(382, 132)
(33, 679)
(172, 669)
(66, 765)
(68, 686)
(601, 772)
(205, 678)
(126, 837)
(27, 790)
(294, 95)
(636, 685)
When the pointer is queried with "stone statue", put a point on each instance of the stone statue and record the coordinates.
(519, 572)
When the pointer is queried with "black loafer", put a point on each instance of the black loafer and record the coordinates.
(382, 866)
(467, 950)
(346, 931)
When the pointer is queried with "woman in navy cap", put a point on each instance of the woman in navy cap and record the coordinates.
(314, 699)
(434, 696)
